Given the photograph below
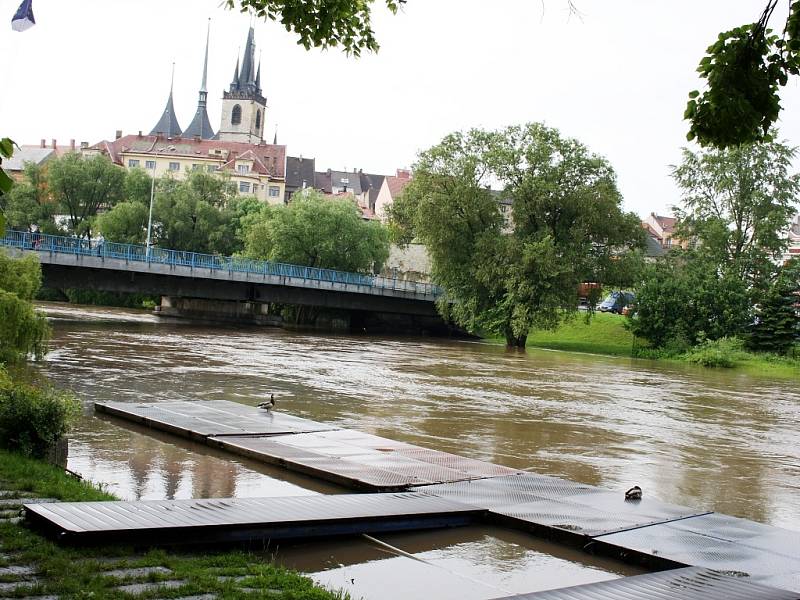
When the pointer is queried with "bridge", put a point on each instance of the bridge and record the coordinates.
(70, 262)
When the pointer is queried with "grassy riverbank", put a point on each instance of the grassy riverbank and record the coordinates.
(606, 334)
(41, 567)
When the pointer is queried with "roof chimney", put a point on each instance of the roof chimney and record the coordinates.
(72, 144)
(43, 143)
(54, 144)
(140, 133)
(119, 134)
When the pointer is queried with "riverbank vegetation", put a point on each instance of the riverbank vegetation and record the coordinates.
(609, 334)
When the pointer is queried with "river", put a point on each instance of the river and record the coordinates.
(715, 440)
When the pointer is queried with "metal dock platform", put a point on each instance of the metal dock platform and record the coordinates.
(710, 555)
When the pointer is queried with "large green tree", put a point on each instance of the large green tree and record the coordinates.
(82, 186)
(777, 326)
(737, 203)
(318, 232)
(28, 203)
(510, 275)
(744, 70)
(23, 331)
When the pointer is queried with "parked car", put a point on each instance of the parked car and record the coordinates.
(617, 302)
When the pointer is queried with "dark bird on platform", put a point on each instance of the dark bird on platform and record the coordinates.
(268, 405)
(635, 493)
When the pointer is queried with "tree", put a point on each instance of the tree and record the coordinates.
(28, 204)
(567, 227)
(82, 186)
(126, 223)
(317, 232)
(738, 203)
(777, 326)
(744, 69)
(322, 23)
(23, 331)
(684, 298)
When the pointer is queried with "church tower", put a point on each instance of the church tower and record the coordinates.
(200, 125)
(243, 106)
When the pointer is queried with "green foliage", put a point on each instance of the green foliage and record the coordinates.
(322, 23)
(6, 183)
(23, 331)
(684, 299)
(510, 277)
(82, 186)
(191, 214)
(317, 232)
(777, 326)
(721, 353)
(32, 418)
(101, 298)
(738, 203)
(126, 223)
(28, 203)
(744, 69)
(137, 186)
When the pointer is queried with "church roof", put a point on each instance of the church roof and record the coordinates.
(200, 125)
(168, 123)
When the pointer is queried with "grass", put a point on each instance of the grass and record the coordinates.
(606, 334)
(82, 572)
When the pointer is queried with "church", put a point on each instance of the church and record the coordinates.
(237, 149)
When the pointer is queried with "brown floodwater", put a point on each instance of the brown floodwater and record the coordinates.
(714, 440)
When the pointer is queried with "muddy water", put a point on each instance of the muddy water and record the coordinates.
(712, 440)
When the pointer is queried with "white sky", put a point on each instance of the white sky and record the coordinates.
(617, 78)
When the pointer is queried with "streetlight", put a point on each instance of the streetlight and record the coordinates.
(150, 217)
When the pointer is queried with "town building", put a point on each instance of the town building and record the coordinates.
(37, 155)
(299, 175)
(237, 150)
(662, 229)
(793, 247)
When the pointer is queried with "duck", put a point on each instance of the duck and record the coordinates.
(268, 405)
(635, 493)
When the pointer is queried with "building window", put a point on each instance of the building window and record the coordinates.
(236, 115)
(243, 169)
(244, 187)
(150, 164)
(174, 166)
(211, 168)
(133, 163)
(196, 167)
(274, 191)
(258, 119)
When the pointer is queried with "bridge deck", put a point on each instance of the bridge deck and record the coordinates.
(647, 532)
(240, 519)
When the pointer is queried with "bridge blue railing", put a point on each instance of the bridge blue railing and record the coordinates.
(131, 252)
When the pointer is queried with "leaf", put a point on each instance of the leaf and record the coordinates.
(6, 183)
(694, 94)
(6, 147)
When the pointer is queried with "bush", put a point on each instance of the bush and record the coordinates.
(32, 418)
(723, 353)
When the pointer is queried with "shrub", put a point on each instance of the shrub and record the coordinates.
(32, 418)
(723, 353)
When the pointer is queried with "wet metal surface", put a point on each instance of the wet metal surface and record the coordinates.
(234, 519)
(691, 583)
(201, 419)
(360, 460)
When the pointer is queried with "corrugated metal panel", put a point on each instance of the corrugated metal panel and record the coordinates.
(673, 541)
(509, 490)
(203, 520)
(680, 584)
(785, 581)
(359, 460)
(214, 417)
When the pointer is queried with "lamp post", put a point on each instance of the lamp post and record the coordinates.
(150, 217)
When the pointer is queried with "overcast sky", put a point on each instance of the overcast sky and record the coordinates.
(616, 78)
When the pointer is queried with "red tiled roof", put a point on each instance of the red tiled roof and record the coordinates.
(396, 184)
(667, 223)
(267, 158)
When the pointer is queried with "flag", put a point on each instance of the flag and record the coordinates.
(23, 18)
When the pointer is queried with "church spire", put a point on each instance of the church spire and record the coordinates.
(258, 76)
(235, 82)
(168, 123)
(200, 125)
(247, 76)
